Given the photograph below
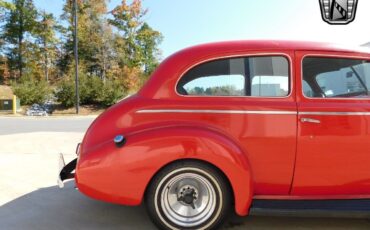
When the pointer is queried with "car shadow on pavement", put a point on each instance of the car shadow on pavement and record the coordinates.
(54, 208)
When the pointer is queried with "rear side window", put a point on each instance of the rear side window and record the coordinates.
(336, 77)
(250, 76)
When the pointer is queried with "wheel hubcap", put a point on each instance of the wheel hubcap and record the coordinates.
(188, 199)
(188, 195)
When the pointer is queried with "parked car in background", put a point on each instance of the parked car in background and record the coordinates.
(36, 110)
(40, 110)
(250, 126)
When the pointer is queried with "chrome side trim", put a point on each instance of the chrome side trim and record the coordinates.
(216, 111)
(336, 113)
(262, 112)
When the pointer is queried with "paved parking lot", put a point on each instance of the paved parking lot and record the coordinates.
(30, 199)
(9, 125)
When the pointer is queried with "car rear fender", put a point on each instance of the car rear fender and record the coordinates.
(153, 149)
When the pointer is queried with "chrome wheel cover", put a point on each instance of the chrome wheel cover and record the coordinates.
(178, 189)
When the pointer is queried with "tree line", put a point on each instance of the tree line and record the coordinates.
(118, 49)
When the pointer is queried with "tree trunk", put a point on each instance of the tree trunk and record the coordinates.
(104, 66)
(20, 44)
(46, 62)
(20, 55)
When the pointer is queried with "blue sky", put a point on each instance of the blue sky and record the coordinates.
(188, 22)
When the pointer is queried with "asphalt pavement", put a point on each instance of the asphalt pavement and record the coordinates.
(52, 208)
(30, 199)
(12, 125)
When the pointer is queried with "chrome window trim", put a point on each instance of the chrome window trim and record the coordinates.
(245, 55)
(336, 113)
(361, 57)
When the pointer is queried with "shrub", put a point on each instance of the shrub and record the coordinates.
(110, 93)
(92, 90)
(65, 92)
(31, 91)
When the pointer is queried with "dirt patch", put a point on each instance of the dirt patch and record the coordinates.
(84, 110)
(5, 92)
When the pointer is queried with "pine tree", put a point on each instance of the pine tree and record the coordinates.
(47, 41)
(128, 18)
(19, 27)
(117, 49)
(138, 42)
(4, 7)
(93, 35)
(148, 41)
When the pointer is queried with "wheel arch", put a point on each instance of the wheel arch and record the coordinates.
(241, 206)
(234, 167)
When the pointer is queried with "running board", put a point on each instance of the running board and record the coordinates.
(312, 208)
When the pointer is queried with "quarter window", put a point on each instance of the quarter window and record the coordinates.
(336, 77)
(251, 76)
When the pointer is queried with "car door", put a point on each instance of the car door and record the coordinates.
(333, 147)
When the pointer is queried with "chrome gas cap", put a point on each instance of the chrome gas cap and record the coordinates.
(119, 140)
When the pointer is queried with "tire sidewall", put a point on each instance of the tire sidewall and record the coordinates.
(214, 178)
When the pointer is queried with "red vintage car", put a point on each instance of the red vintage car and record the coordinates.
(249, 126)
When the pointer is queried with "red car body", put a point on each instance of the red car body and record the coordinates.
(263, 145)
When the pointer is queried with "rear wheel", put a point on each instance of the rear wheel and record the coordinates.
(188, 195)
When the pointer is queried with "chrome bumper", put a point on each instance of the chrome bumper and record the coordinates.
(66, 172)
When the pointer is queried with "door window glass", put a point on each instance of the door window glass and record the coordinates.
(336, 77)
(251, 76)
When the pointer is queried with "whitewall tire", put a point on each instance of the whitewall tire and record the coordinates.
(188, 195)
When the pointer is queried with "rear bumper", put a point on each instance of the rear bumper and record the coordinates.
(66, 172)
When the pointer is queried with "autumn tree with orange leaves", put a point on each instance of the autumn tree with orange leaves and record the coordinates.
(118, 49)
(116, 45)
(137, 41)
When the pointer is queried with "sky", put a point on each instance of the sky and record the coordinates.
(184, 23)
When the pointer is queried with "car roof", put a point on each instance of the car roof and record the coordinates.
(163, 80)
(261, 45)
